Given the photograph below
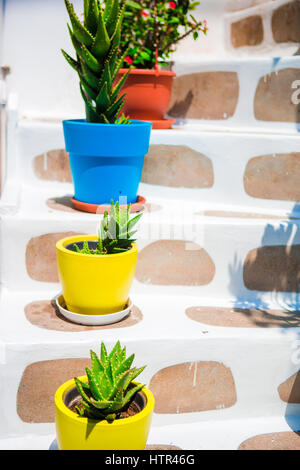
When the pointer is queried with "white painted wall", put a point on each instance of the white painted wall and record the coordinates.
(35, 31)
(213, 12)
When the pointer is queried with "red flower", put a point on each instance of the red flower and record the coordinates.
(172, 5)
(128, 60)
(144, 13)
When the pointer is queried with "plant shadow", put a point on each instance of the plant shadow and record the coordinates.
(273, 269)
(180, 108)
(272, 273)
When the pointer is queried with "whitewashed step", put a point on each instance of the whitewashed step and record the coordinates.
(251, 172)
(199, 436)
(198, 361)
(222, 258)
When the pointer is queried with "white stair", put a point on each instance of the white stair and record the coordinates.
(226, 346)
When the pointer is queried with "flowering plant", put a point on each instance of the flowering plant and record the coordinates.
(153, 28)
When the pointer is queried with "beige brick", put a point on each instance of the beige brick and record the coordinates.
(274, 177)
(193, 387)
(177, 166)
(273, 98)
(289, 391)
(205, 95)
(244, 317)
(53, 166)
(286, 23)
(273, 268)
(273, 441)
(39, 382)
(40, 256)
(45, 314)
(174, 262)
(247, 32)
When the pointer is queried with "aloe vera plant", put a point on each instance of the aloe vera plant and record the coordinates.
(96, 41)
(109, 388)
(115, 234)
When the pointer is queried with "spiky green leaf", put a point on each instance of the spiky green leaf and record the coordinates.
(101, 44)
(79, 30)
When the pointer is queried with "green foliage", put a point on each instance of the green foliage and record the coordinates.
(157, 24)
(115, 233)
(96, 41)
(109, 388)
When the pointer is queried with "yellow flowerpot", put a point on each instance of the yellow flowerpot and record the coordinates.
(95, 284)
(77, 433)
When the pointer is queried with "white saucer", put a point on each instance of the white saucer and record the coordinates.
(91, 320)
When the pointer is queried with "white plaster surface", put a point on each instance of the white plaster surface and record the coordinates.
(48, 88)
(202, 436)
(264, 358)
(260, 359)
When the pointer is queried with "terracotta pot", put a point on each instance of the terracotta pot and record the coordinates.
(148, 95)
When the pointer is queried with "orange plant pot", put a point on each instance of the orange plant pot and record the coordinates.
(148, 96)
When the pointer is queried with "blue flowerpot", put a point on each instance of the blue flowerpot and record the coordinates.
(106, 159)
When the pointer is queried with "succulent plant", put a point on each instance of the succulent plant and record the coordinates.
(115, 233)
(97, 44)
(109, 388)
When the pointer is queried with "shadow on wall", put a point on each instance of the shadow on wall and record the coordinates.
(274, 268)
(180, 108)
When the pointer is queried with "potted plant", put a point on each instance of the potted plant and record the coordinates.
(96, 272)
(106, 409)
(151, 31)
(106, 150)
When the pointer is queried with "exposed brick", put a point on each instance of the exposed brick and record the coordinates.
(274, 97)
(274, 177)
(62, 203)
(244, 317)
(39, 382)
(177, 166)
(273, 441)
(174, 262)
(45, 314)
(289, 391)
(286, 23)
(247, 32)
(192, 387)
(273, 269)
(245, 215)
(53, 166)
(40, 256)
(205, 95)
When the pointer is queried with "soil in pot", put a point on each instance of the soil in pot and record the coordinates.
(92, 245)
(73, 399)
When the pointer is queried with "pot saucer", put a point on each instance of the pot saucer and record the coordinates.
(163, 123)
(138, 206)
(91, 320)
